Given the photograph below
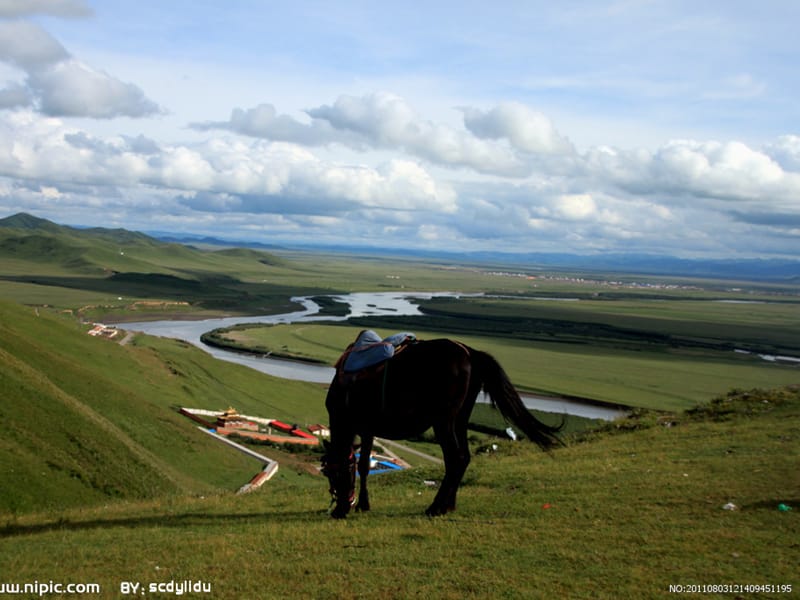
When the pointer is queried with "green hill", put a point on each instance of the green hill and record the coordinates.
(95, 251)
(25, 221)
(103, 251)
(86, 419)
(113, 263)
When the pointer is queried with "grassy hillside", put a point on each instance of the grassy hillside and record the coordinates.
(113, 268)
(624, 513)
(86, 420)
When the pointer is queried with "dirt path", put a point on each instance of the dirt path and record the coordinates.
(403, 448)
(128, 337)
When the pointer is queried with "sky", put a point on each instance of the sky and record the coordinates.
(627, 126)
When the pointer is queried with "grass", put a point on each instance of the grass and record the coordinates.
(87, 420)
(622, 515)
(102, 481)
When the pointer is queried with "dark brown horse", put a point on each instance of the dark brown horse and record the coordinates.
(428, 384)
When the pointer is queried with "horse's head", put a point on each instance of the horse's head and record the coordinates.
(340, 469)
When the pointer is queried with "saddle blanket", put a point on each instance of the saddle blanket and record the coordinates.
(369, 349)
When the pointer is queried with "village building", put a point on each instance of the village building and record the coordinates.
(103, 331)
(320, 431)
(230, 419)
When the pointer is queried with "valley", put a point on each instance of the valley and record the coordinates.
(104, 480)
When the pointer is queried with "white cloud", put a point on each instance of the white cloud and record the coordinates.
(50, 192)
(444, 158)
(59, 8)
(384, 120)
(724, 171)
(576, 207)
(60, 85)
(527, 130)
(413, 188)
(684, 193)
(381, 121)
(721, 172)
(268, 177)
(263, 121)
(70, 88)
(786, 152)
(28, 46)
(15, 95)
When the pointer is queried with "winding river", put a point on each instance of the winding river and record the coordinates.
(361, 304)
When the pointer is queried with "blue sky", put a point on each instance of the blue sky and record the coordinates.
(631, 126)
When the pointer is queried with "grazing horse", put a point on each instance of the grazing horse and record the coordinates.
(426, 384)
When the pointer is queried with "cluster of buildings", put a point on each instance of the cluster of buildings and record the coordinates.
(100, 330)
(230, 422)
(222, 425)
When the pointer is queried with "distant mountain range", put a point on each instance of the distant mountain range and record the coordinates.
(640, 264)
(783, 270)
(194, 239)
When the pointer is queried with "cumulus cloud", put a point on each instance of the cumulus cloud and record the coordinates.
(683, 194)
(124, 144)
(60, 85)
(526, 129)
(28, 46)
(263, 121)
(786, 152)
(70, 88)
(377, 121)
(716, 171)
(14, 96)
(384, 120)
(257, 176)
(576, 207)
(59, 8)
(712, 168)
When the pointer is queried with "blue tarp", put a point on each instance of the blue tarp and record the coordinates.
(381, 466)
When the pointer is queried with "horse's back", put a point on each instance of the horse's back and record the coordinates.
(432, 361)
(415, 388)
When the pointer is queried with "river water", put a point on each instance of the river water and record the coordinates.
(361, 304)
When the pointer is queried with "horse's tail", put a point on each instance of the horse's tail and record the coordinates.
(505, 397)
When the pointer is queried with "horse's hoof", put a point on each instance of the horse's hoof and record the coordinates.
(435, 511)
(362, 507)
(338, 514)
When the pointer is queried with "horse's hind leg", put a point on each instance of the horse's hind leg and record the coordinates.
(455, 449)
(363, 472)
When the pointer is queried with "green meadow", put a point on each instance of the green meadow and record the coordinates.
(625, 514)
(103, 481)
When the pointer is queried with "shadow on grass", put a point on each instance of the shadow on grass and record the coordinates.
(188, 519)
(204, 519)
(792, 503)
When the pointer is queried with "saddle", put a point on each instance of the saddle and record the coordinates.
(369, 353)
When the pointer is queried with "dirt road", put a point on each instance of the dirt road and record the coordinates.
(403, 448)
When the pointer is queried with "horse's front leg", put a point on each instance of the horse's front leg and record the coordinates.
(363, 471)
(341, 471)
